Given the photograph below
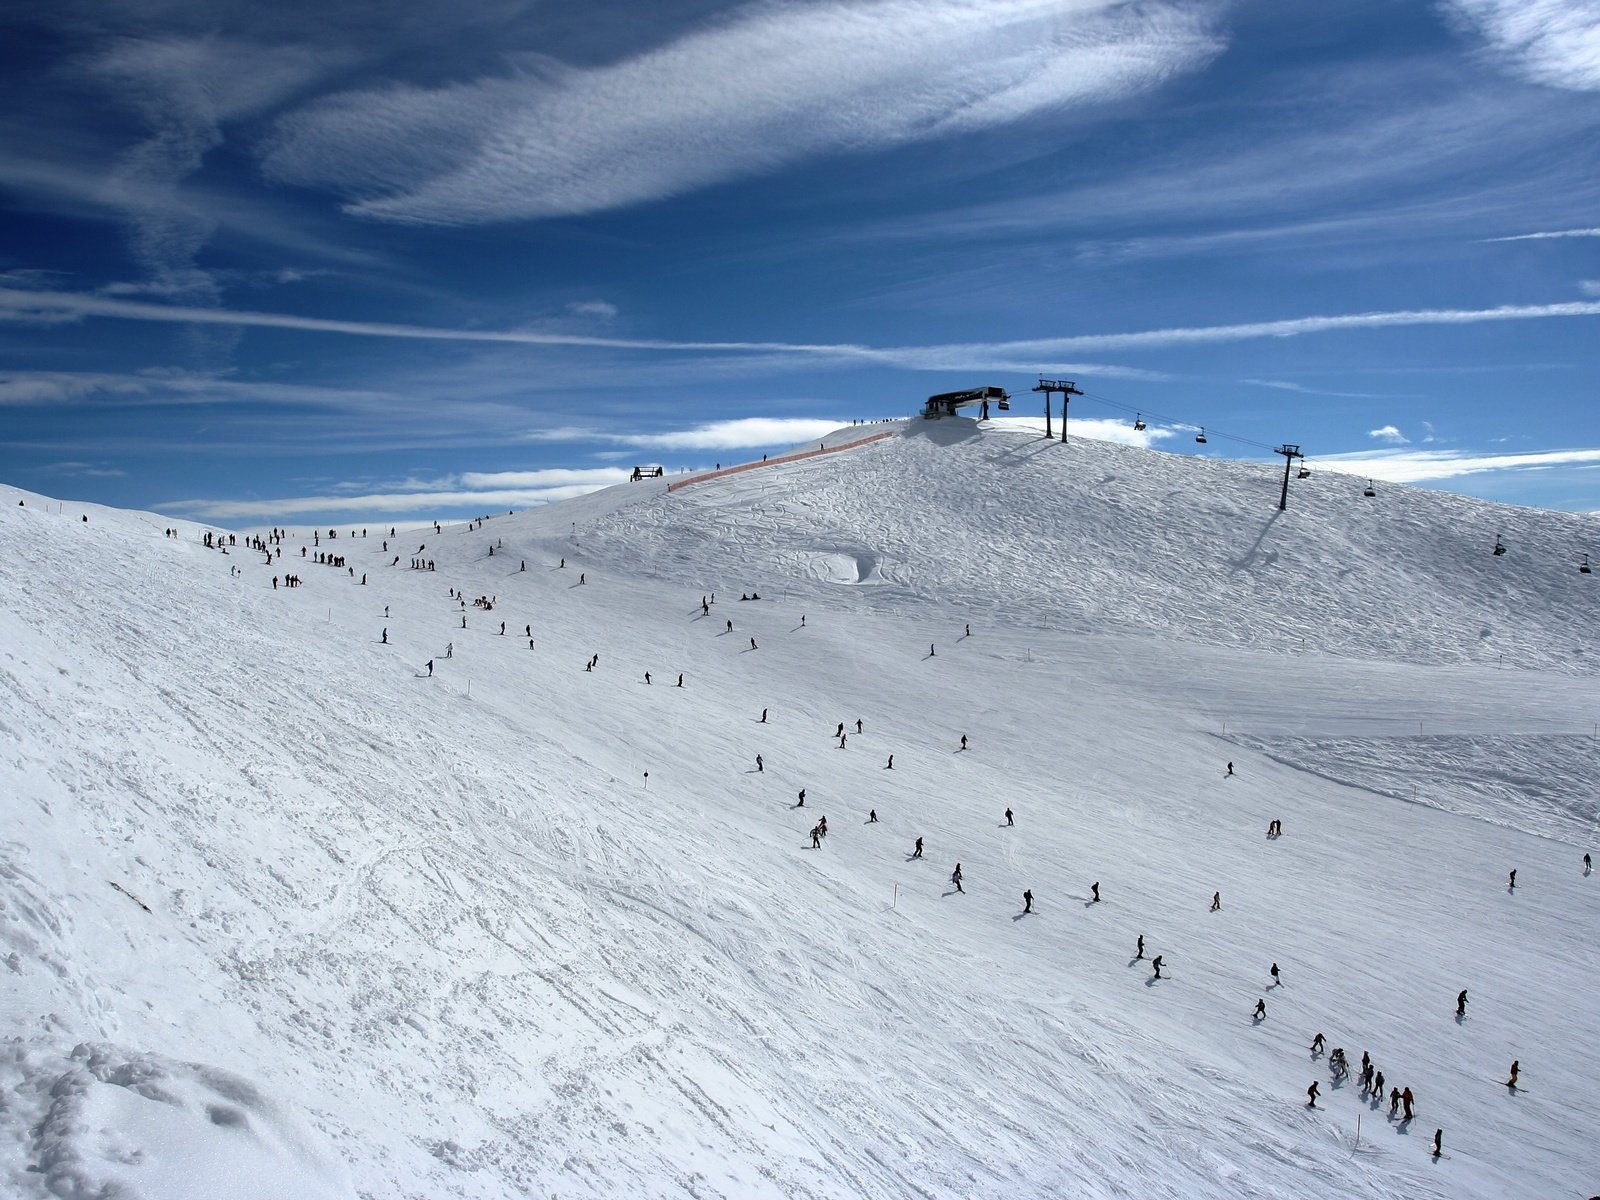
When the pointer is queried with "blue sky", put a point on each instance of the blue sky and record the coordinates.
(343, 262)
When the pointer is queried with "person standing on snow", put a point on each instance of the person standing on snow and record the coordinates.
(917, 853)
(955, 878)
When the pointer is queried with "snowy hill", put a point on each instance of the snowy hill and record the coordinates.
(285, 915)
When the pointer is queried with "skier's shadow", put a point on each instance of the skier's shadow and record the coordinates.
(1021, 915)
(952, 892)
(1151, 982)
(1133, 961)
(1256, 1020)
(1461, 1018)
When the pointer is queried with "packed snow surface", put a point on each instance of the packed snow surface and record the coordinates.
(284, 914)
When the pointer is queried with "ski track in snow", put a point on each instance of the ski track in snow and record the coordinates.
(460, 936)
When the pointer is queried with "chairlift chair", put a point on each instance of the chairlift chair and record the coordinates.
(1138, 422)
(1305, 473)
(1369, 492)
(1201, 436)
(1583, 568)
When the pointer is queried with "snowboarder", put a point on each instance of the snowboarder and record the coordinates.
(1156, 963)
(1406, 1101)
(752, 643)
(430, 668)
(1261, 1010)
(760, 766)
(1095, 888)
(1311, 1095)
(801, 803)
(1216, 901)
(1027, 901)
(1139, 949)
(955, 878)
(1317, 1043)
(1461, 1003)
(582, 578)
(872, 816)
(917, 853)
(1010, 820)
(1515, 1066)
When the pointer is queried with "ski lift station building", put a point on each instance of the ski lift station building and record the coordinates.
(946, 403)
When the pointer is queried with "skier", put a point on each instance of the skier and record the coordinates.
(843, 738)
(430, 668)
(955, 878)
(969, 630)
(963, 741)
(930, 649)
(647, 677)
(802, 801)
(1274, 974)
(917, 853)
(1317, 1043)
(1438, 1142)
(752, 643)
(1377, 1085)
(760, 766)
(1461, 1003)
(1512, 1082)
(872, 816)
(1513, 883)
(1312, 1093)
(1261, 1010)
(1406, 1101)
(858, 730)
(1216, 901)
(839, 732)
(763, 716)
(816, 837)
(1587, 866)
(1027, 901)
(1095, 888)
(822, 824)
(1230, 768)
(730, 627)
(502, 629)
(1156, 963)
(680, 679)
(1139, 951)
(385, 637)
(582, 578)
(1010, 820)
(1394, 1102)
(890, 765)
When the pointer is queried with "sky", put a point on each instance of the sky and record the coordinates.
(287, 264)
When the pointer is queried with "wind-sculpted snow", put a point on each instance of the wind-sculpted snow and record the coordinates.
(277, 904)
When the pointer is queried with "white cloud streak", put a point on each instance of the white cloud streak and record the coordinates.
(1423, 466)
(478, 500)
(770, 85)
(738, 433)
(1389, 433)
(23, 304)
(1553, 42)
(1101, 429)
(1549, 233)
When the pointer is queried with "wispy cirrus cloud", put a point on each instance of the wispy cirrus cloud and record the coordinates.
(1548, 233)
(1553, 42)
(26, 304)
(442, 499)
(767, 86)
(1424, 466)
(737, 433)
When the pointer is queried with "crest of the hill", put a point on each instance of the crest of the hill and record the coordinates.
(1098, 537)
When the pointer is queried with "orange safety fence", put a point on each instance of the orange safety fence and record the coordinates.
(772, 462)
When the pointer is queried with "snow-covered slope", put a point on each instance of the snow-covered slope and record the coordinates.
(282, 912)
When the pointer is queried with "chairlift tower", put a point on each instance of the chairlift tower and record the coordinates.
(1290, 453)
(1068, 389)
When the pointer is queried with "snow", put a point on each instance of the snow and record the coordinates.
(441, 937)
